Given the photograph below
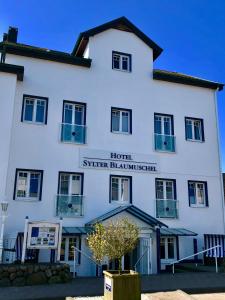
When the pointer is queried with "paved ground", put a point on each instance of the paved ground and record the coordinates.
(193, 283)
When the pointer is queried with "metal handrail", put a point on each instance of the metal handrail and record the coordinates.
(135, 266)
(179, 260)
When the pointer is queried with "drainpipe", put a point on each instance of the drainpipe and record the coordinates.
(158, 250)
(219, 156)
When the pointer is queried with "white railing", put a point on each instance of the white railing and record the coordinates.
(206, 250)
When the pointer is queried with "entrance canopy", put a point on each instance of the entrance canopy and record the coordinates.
(132, 210)
(176, 232)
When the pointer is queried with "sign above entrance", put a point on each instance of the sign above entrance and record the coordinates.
(115, 160)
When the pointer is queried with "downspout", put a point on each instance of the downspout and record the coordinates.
(219, 156)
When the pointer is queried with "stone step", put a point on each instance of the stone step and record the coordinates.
(176, 295)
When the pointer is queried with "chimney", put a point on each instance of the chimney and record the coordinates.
(11, 36)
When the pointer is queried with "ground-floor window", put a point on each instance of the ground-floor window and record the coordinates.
(67, 250)
(167, 248)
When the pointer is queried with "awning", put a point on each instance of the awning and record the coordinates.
(75, 230)
(177, 232)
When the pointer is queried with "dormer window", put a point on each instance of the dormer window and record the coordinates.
(121, 61)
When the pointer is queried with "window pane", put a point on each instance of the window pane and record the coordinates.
(170, 248)
(76, 185)
(34, 185)
(167, 125)
(125, 121)
(40, 111)
(64, 184)
(72, 243)
(189, 129)
(200, 194)
(197, 130)
(115, 120)
(159, 189)
(192, 193)
(116, 61)
(79, 112)
(29, 107)
(158, 129)
(169, 190)
(124, 189)
(162, 248)
(115, 189)
(68, 112)
(21, 184)
(125, 63)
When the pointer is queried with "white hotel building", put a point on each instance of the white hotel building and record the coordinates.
(100, 134)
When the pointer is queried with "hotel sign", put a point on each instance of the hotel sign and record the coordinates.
(115, 160)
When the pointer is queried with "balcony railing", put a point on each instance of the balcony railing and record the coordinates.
(166, 208)
(164, 142)
(72, 133)
(69, 206)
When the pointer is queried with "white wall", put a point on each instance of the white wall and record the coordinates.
(38, 146)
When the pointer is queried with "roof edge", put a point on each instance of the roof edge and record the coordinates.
(186, 79)
(13, 69)
(84, 36)
(46, 54)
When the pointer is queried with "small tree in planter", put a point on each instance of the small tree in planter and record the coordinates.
(114, 241)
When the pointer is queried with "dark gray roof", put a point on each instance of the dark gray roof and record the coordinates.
(121, 23)
(13, 69)
(177, 232)
(75, 230)
(133, 210)
(185, 79)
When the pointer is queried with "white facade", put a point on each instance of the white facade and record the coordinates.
(38, 146)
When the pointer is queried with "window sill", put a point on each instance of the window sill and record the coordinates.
(34, 123)
(27, 200)
(121, 132)
(198, 206)
(124, 71)
(120, 202)
(165, 151)
(195, 141)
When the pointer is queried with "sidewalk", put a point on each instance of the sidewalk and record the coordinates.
(192, 283)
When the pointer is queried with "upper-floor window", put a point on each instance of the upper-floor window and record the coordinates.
(120, 189)
(121, 120)
(194, 129)
(164, 132)
(28, 184)
(70, 183)
(34, 109)
(198, 193)
(73, 129)
(121, 61)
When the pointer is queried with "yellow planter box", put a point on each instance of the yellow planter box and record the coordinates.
(124, 286)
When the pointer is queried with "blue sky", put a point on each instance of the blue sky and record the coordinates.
(191, 32)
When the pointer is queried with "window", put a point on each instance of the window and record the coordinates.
(164, 133)
(167, 248)
(73, 129)
(121, 120)
(67, 250)
(34, 109)
(28, 185)
(194, 129)
(70, 183)
(166, 203)
(198, 194)
(120, 189)
(121, 61)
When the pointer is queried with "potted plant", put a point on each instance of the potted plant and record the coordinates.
(114, 240)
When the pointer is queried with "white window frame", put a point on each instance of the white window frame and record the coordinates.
(70, 182)
(193, 130)
(27, 197)
(35, 99)
(162, 121)
(74, 107)
(196, 183)
(121, 57)
(166, 238)
(120, 178)
(121, 111)
(66, 254)
(164, 181)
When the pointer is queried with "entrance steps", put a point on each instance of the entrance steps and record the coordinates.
(176, 295)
